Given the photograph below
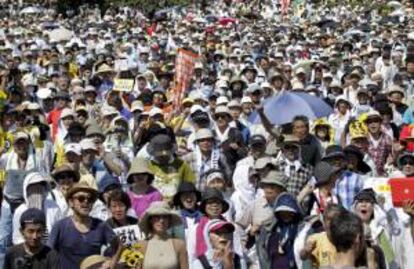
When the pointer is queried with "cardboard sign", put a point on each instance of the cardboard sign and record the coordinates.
(129, 234)
(123, 85)
(121, 65)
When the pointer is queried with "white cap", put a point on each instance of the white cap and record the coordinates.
(90, 88)
(222, 100)
(67, 112)
(137, 105)
(254, 87)
(221, 110)
(234, 103)
(300, 70)
(33, 106)
(21, 135)
(109, 110)
(44, 93)
(246, 99)
(266, 85)
(87, 143)
(73, 147)
(155, 111)
(196, 108)
(327, 75)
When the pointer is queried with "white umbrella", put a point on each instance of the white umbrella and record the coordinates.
(60, 34)
(31, 10)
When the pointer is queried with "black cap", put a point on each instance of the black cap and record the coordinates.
(367, 195)
(257, 139)
(34, 216)
(333, 151)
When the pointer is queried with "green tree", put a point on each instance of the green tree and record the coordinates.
(148, 6)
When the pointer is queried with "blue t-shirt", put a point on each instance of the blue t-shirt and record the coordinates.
(74, 246)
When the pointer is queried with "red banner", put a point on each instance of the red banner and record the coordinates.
(184, 68)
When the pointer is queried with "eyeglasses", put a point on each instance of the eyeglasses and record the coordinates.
(83, 198)
(287, 70)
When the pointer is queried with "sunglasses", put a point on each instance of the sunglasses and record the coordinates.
(65, 176)
(373, 121)
(83, 198)
(221, 116)
(405, 162)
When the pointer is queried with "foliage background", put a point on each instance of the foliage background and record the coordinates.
(148, 7)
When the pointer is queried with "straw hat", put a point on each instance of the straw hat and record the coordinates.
(65, 168)
(158, 209)
(94, 261)
(81, 187)
(104, 68)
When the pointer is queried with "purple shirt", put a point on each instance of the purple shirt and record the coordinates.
(140, 203)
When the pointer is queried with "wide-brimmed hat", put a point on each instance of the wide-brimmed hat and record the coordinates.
(81, 187)
(158, 209)
(139, 166)
(324, 171)
(362, 167)
(274, 177)
(65, 168)
(94, 261)
(396, 89)
(94, 129)
(212, 193)
(104, 68)
(185, 187)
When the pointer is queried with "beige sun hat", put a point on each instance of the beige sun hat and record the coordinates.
(94, 261)
(138, 166)
(158, 209)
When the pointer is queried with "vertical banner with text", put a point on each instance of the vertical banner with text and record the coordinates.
(184, 68)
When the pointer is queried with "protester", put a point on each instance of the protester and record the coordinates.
(240, 100)
(36, 193)
(118, 203)
(279, 235)
(73, 236)
(32, 253)
(155, 223)
(141, 193)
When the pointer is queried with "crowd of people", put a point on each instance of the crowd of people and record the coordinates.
(95, 175)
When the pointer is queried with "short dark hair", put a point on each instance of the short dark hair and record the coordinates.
(302, 118)
(333, 209)
(344, 229)
(119, 196)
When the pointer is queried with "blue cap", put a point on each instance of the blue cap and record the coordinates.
(33, 215)
(108, 182)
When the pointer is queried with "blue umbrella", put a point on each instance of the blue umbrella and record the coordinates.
(284, 107)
